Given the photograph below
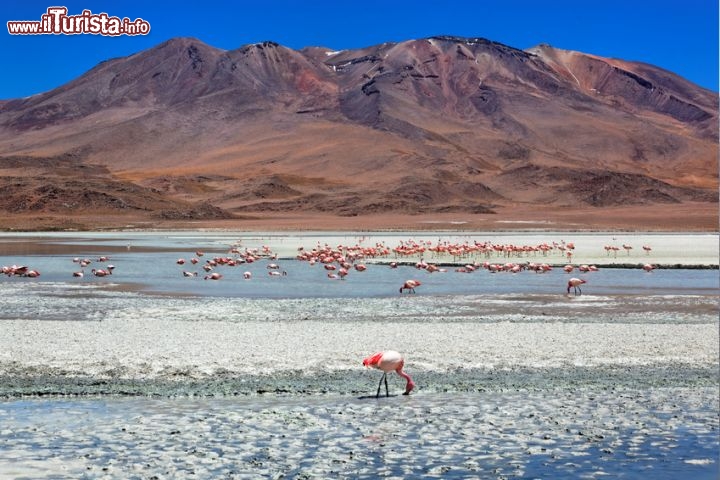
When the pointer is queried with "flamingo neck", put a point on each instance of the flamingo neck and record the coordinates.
(410, 384)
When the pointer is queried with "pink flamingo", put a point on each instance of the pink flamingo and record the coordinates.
(648, 267)
(15, 270)
(410, 285)
(389, 361)
(575, 284)
(213, 276)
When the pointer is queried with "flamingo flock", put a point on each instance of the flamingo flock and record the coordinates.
(20, 271)
(459, 251)
(613, 249)
(341, 262)
(24, 271)
(235, 257)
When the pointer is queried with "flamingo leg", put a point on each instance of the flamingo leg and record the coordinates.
(387, 393)
(384, 377)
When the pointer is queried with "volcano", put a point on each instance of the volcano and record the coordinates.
(421, 129)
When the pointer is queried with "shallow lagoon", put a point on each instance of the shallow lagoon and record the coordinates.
(179, 377)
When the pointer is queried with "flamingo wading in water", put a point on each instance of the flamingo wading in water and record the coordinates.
(575, 283)
(389, 361)
(410, 285)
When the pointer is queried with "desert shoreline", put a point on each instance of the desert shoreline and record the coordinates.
(700, 217)
(666, 250)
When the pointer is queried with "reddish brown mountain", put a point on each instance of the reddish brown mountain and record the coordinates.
(443, 124)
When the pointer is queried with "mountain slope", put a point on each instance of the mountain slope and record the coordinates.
(442, 124)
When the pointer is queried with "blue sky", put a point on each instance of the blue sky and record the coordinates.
(678, 35)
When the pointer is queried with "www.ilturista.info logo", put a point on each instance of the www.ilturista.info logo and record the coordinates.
(56, 21)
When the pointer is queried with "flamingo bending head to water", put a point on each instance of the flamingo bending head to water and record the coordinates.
(410, 285)
(575, 283)
(389, 361)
